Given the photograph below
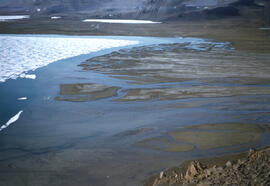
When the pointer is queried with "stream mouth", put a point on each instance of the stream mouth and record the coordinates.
(115, 110)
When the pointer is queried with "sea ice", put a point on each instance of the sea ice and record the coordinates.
(11, 120)
(22, 98)
(13, 17)
(22, 53)
(55, 17)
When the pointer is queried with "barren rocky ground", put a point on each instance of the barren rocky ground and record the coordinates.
(252, 168)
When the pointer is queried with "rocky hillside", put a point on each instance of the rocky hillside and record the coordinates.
(251, 169)
(60, 6)
(155, 7)
(139, 9)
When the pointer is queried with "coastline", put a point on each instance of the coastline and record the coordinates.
(239, 37)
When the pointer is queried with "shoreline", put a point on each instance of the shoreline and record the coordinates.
(236, 30)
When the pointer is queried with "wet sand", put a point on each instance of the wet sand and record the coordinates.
(85, 92)
(122, 116)
(179, 71)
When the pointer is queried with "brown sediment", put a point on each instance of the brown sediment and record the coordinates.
(221, 135)
(191, 92)
(133, 132)
(233, 71)
(188, 104)
(175, 63)
(208, 136)
(164, 144)
(85, 92)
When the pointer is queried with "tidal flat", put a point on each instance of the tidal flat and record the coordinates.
(118, 116)
(85, 92)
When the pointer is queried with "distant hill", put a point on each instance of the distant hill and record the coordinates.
(140, 9)
(60, 6)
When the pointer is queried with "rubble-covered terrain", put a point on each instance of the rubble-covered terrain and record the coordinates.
(251, 169)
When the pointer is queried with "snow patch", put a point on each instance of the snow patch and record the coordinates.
(13, 17)
(122, 21)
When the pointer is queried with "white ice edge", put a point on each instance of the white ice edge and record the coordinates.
(55, 17)
(122, 21)
(11, 120)
(28, 76)
(21, 54)
(13, 17)
(22, 98)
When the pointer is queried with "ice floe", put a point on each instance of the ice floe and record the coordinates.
(28, 76)
(22, 98)
(13, 17)
(11, 120)
(55, 17)
(22, 53)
